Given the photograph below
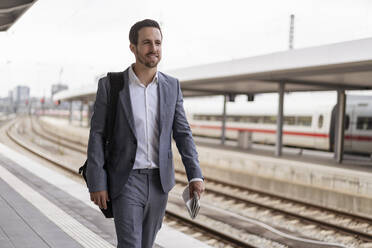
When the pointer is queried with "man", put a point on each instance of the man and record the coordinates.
(141, 171)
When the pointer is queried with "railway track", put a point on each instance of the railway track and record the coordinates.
(339, 229)
(209, 235)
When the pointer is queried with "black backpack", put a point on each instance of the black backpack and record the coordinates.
(116, 80)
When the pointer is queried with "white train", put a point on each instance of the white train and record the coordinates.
(309, 122)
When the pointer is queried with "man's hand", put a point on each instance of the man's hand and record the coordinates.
(100, 198)
(197, 186)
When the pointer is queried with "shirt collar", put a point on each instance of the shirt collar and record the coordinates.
(133, 77)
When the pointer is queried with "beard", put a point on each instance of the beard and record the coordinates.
(146, 61)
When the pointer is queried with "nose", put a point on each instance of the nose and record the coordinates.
(153, 46)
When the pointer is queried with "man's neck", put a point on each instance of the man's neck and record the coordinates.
(144, 74)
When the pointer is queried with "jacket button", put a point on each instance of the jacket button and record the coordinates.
(132, 160)
(135, 142)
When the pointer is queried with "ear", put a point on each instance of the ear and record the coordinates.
(132, 48)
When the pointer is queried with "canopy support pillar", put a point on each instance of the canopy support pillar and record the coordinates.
(279, 121)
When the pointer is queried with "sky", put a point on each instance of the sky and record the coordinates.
(75, 41)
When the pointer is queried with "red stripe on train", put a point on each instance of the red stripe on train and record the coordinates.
(255, 130)
(358, 137)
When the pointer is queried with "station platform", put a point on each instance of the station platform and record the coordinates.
(303, 175)
(42, 208)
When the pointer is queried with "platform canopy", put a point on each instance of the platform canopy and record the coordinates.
(11, 10)
(82, 94)
(346, 65)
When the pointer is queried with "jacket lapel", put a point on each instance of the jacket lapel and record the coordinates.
(163, 90)
(163, 95)
(126, 102)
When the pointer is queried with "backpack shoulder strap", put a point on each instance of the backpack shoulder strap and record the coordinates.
(116, 80)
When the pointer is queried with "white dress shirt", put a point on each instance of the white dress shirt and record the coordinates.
(145, 112)
(146, 121)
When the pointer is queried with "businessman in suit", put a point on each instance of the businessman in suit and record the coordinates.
(141, 170)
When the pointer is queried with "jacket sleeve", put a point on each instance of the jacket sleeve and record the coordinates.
(96, 174)
(183, 137)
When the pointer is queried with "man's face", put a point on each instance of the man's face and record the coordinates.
(148, 48)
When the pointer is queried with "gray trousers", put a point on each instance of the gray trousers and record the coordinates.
(139, 209)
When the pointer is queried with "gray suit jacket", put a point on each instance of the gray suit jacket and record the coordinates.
(172, 119)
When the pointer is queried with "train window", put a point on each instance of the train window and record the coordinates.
(269, 119)
(255, 119)
(364, 123)
(197, 117)
(289, 120)
(230, 118)
(320, 121)
(245, 119)
(303, 121)
(347, 122)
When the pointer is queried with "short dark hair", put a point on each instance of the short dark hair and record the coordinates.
(133, 33)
